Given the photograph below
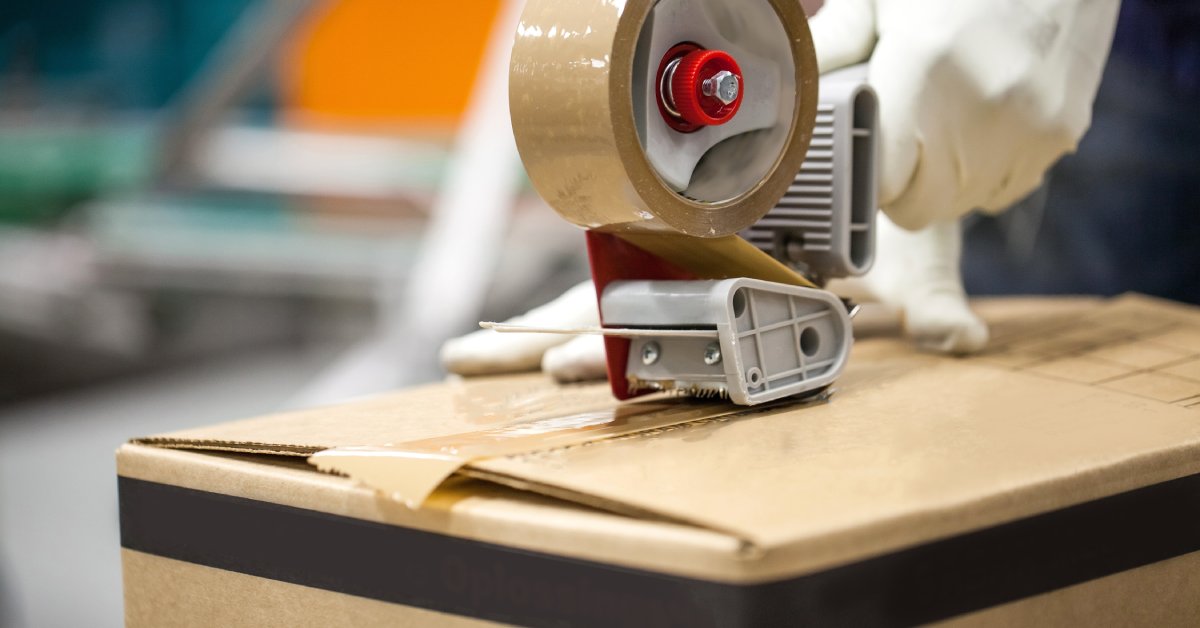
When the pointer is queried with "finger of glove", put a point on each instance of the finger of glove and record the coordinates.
(487, 352)
(581, 359)
(843, 33)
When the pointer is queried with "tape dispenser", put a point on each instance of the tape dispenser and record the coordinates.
(720, 184)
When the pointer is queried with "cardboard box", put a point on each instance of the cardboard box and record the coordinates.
(1053, 480)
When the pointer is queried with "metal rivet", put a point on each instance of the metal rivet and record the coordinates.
(712, 354)
(650, 353)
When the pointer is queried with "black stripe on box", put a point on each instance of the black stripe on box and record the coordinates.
(925, 583)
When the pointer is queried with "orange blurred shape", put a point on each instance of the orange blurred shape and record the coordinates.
(387, 63)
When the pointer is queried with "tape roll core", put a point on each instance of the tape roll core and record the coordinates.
(572, 98)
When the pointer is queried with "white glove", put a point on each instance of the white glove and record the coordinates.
(916, 273)
(567, 358)
(977, 97)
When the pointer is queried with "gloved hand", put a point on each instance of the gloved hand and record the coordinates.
(916, 274)
(567, 358)
(977, 97)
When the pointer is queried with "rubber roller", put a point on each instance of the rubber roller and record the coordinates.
(668, 117)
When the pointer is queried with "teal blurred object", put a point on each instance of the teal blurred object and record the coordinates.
(107, 54)
(68, 68)
(46, 171)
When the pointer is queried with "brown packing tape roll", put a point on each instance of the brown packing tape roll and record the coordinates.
(572, 98)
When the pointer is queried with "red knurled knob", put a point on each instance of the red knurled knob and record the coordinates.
(715, 103)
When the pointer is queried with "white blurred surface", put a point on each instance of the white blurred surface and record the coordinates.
(59, 545)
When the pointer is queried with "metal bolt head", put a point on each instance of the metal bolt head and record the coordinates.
(650, 353)
(724, 86)
(712, 354)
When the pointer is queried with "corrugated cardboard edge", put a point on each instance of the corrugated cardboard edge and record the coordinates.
(271, 449)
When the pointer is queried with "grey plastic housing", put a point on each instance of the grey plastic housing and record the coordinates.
(825, 225)
(774, 340)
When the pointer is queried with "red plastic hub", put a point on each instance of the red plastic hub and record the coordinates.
(698, 87)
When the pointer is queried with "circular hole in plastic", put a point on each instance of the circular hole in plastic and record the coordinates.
(754, 377)
(650, 353)
(712, 354)
(810, 341)
(739, 303)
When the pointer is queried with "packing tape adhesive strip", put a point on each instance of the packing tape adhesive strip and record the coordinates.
(582, 90)
(409, 472)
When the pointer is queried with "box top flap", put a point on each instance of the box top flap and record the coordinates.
(1071, 402)
(431, 411)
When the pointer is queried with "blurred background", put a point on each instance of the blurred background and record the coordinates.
(211, 209)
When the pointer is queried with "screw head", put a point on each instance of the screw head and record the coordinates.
(712, 354)
(724, 86)
(650, 353)
(698, 87)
